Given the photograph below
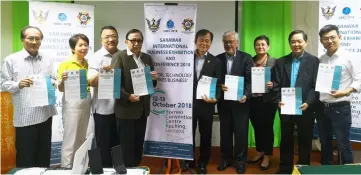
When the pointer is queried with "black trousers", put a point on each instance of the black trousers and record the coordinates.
(205, 130)
(262, 117)
(305, 125)
(319, 111)
(131, 136)
(33, 145)
(234, 118)
(337, 121)
(106, 135)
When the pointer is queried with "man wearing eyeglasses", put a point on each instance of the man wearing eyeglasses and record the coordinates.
(234, 115)
(131, 111)
(103, 109)
(337, 108)
(32, 124)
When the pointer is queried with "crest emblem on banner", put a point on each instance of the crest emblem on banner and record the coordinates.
(40, 15)
(188, 24)
(83, 18)
(328, 12)
(153, 25)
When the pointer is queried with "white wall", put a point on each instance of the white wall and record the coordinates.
(125, 15)
(6, 29)
(305, 17)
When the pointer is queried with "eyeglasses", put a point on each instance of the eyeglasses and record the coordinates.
(325, 39)
(229, 42)
(37, 39)
(133, 41)
(114, 37)
(204, 41)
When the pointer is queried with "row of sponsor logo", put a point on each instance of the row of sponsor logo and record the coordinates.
(346, 12)
(83, 19)
(187, 25)
(41, 17)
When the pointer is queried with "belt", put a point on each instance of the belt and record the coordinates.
(336, 104)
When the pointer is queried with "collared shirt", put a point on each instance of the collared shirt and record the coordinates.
(200, 63)
(17, 67)
(100, 58)
(137, 60)
(350, 75)
(230, 60)
(295, 67)
(72, 64)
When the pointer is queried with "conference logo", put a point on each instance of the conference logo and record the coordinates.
(153, 25)
(346, 11)
(328, 12)
(62, 20)
(188, 25)
(62, 17)
(83, 18)
(40, 16)
(170, 26)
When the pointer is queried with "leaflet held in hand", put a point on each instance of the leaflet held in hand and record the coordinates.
(260, 77)
(206, 87)
(76, 85)
(142, 81)
(235, 85)
(292, 100)
(328, 78)
(42, 91)
(109, 84)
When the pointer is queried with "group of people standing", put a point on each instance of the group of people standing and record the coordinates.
(123, 121)
(298, 69)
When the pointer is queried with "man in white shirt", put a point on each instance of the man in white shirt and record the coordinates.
(32, 124)
(337, 108)
(103, 109)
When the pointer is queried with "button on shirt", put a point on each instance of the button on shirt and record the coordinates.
(100, 58)
(295, 67)
(17, 67)
(350, 75)
(200, 63)
(137, 60)
(230, 60)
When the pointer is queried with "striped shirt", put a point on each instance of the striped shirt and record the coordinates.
(230, 60)
(199, 64)
(17, 67)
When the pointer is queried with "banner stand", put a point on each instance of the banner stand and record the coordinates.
(169, 127)
(169, 33)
